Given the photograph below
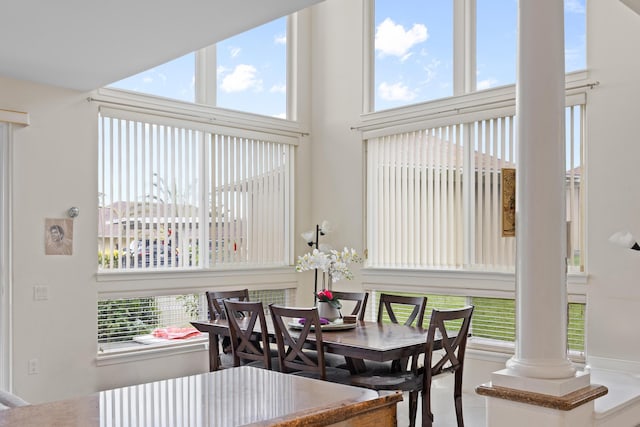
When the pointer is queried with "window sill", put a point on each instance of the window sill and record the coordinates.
(500, 351)
(136, 352)
(459, 282)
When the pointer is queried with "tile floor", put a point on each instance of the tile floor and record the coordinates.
(444, 414)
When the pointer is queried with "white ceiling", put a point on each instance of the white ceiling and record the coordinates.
(85, 44)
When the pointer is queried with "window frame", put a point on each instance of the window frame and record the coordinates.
(461, 109)
(464, 53)
(205, 75)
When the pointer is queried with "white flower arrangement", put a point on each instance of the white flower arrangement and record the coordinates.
(334, 263)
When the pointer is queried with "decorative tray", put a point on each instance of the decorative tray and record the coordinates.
(331, 326)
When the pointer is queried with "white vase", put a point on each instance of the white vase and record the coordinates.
(328, 311)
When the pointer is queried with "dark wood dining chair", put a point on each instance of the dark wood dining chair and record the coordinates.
(250, 345)
(391, 304)
(453, 327)
(296, 353)
(360, 299)
(215, 298)
(216, 311)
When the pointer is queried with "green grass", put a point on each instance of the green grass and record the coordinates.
(494, 318)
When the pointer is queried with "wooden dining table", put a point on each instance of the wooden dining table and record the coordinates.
(242, 396)
(366, 341)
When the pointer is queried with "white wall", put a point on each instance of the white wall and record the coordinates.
(55, 162)
(613, 199)
(55, 168)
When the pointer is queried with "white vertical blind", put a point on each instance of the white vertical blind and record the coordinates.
(177, 194)
(415, 198)
(494, 149)
(434, 195)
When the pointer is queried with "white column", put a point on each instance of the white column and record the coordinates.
(541, 346)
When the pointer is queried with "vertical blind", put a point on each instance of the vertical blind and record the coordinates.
(434, 195)
(180, 194)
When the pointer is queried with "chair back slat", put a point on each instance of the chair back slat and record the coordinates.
(215, 298)
(451, 358)
(389, 301)
(293, 354)
(248, 343)
(360, 299)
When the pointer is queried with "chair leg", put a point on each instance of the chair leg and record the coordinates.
(457, 397)
(413, 407)
(427, 416)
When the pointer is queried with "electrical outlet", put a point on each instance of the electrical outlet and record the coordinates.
(40, 293)
(33, 367)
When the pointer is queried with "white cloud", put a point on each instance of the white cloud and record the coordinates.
(431, 70)
(395, 92)
(235, 52)
(147, 80)
(486, 83)
(280, 39)
(281, 88)
(392, 39)
(281, 116)
(242, 78)
(574, 6)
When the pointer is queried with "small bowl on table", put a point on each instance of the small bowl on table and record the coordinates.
(349, 318)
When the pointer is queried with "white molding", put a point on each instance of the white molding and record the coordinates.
(617, 365)
(194, 113)
(15, 117)
(128, 285)
(6, 284)
(458, 282)
(152, 351)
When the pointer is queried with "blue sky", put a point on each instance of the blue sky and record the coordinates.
(414, 47)
(413, 57)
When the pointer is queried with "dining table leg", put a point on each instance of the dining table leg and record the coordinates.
(355, 366)
(214, 352)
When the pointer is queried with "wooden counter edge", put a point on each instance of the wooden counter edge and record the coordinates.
(355, 414)
(563, 403)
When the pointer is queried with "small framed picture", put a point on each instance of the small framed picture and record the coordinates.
(508, 202)
(58, 236)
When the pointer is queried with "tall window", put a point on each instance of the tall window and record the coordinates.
(175, 194)
(431, 49)
(497, 27)
(413, 52)
(434, 194)
(174, 79)
(250, 71)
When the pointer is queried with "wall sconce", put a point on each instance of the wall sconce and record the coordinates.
(73, 212)
(625, 239)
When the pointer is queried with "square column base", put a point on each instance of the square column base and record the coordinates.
(506, 413)
(553, 387)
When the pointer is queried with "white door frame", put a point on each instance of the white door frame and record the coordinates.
(6, 379)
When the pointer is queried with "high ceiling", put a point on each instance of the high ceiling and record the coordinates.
(84, 45)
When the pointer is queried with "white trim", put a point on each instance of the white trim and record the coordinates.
(609, 364)
(138, 352)
(368, 47)
(458, 282)
(6, 285)
(15, 117)
(469, 107)
(132, 113)
(195, 113)
(130, 285)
